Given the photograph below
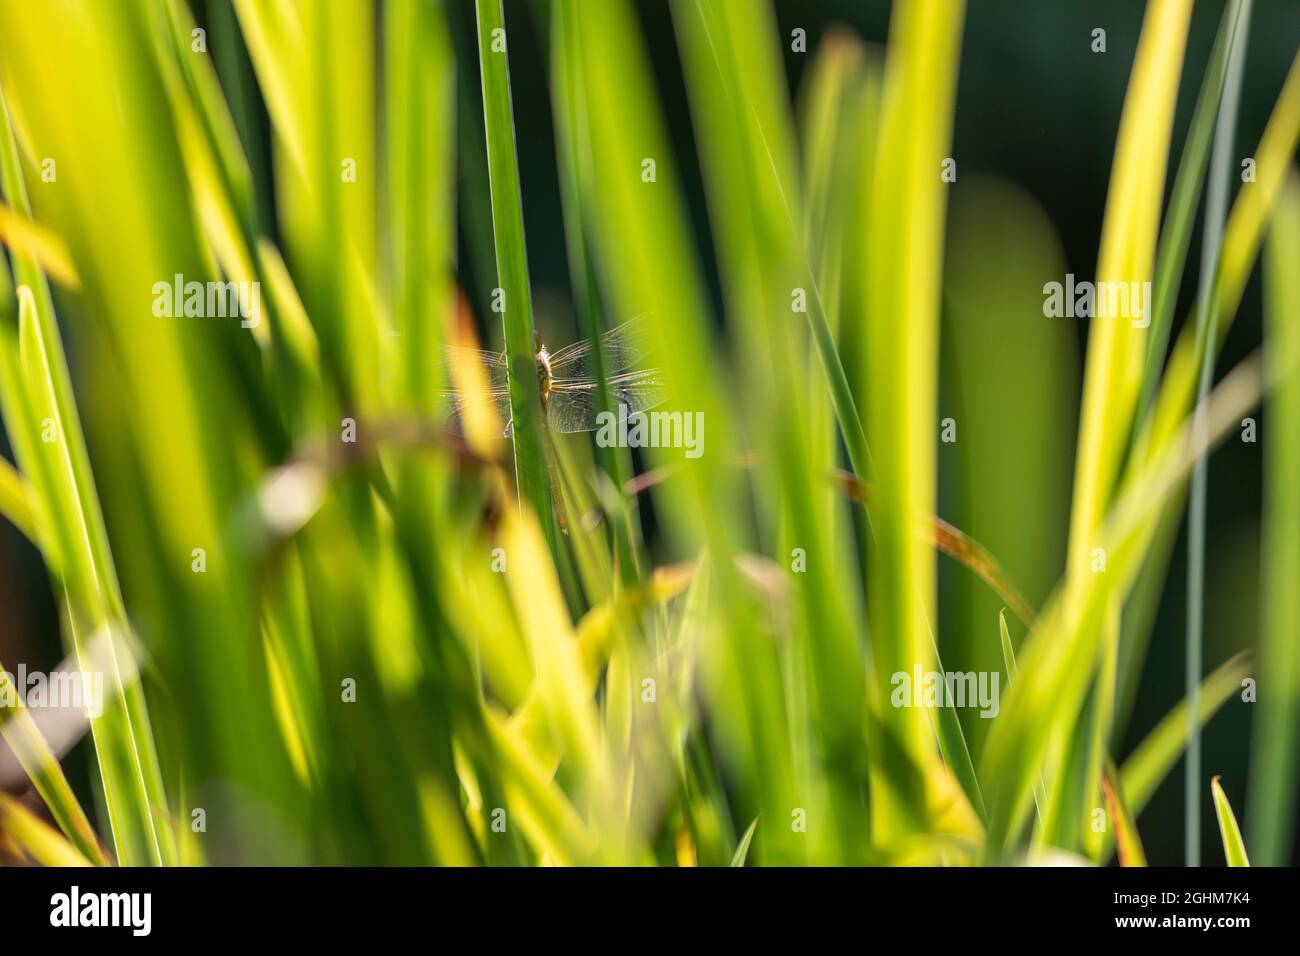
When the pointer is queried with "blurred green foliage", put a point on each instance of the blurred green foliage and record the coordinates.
(346, 635)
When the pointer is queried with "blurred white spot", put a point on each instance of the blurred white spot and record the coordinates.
(290, 497)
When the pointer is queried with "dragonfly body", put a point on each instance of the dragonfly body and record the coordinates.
(545, 376)
(567, 380)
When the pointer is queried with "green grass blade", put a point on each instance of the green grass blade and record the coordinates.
(420, 214)
(1176, 236)
(1013, 673)
(124, 745)
(572, 144)
(834, 77)
(33, 754)
(1008, 652)
(742, 848)
(1127, 841)
(45, 250)
(42, 844)
(16, 501)
(80, 491)
(546, 816)
(904, 250)
(1271, 794)
(512, 265)
(1234, 848)
(1115, 351)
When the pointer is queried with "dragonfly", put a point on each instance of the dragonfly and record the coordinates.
(567, 381)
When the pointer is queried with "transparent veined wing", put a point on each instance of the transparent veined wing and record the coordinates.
(574, 406)
(493, 363)
(572, 410)
(624, 347)
(451, 408)
(639, 391)
(453, 401)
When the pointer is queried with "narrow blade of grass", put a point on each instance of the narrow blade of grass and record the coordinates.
(742, 848)
(127, 763)
(904, 253)
(1013, 673)
(1271, 795)
(42, 844)
(1127, 842)
(42, 768)
(1234, 848)
(1116, 343)
(1176, 235)
(512, 266)
(573, 146)
(16, 504)
(44, 248)
(564, 692)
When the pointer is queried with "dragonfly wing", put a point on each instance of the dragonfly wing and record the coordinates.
(572, 410)
(451, 409)
(639, 391)
(623, 347)
(574, 407)
(492, 363)
(573, 360)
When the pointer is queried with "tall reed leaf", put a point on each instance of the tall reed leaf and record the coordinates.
(904, 250)
(512, 265)
(30, 749)
(1271, 797)
(31, 834)
(1234, 848)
